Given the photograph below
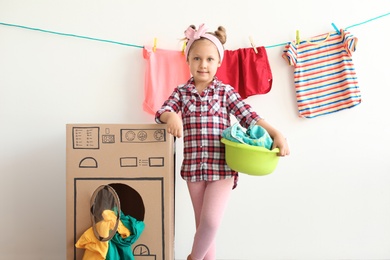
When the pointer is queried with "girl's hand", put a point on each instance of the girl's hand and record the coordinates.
(174, 123)
(281, 143)
(279, 140)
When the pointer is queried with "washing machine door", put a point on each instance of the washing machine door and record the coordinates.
(105, 212)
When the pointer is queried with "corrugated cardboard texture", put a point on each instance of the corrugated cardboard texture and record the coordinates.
(137, 160)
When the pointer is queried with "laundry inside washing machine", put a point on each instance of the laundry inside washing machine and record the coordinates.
(114, 226)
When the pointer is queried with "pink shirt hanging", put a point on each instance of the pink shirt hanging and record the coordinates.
(165, 70)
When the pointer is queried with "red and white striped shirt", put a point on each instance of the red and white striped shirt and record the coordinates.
(205, 115)
(324, 74)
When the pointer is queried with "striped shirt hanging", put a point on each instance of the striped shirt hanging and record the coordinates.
(324, 74)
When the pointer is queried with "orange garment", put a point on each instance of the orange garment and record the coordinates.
(165, 70)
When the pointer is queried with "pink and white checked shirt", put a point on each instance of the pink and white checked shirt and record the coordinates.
(205, 116)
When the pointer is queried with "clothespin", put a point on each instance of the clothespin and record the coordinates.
(337, 29)
(154, 44)
(298, 40)
(252, 43)
(183, 49)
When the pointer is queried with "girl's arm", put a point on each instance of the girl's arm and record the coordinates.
(278, 138)
(168, 114)
(174, 123)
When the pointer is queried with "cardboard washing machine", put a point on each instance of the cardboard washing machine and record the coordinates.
(137, 160)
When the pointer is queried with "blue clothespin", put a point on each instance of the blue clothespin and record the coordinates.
(337, 29)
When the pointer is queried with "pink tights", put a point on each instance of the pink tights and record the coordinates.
(209, 200)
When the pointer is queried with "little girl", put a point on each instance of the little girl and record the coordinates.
(206, 104)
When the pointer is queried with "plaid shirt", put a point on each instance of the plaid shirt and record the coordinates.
(205, 116)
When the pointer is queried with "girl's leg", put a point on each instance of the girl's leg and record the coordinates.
(197, 191)
(209, 200)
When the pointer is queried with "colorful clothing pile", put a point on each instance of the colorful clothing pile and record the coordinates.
(255, 135)
(119, 247)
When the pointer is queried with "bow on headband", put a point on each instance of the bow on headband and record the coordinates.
(193, 34)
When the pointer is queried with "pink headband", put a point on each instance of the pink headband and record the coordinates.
(193, 35)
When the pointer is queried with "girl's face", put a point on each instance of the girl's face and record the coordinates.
(203, 60)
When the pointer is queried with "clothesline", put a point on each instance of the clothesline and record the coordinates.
(140, 46)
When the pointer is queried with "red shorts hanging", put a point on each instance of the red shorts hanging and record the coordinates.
(247, 72)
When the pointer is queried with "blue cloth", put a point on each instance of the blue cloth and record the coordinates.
(120, 248)
(254, 135)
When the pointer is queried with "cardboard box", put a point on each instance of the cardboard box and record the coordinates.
(138, 161)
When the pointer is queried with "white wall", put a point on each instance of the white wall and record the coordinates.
(329, 200)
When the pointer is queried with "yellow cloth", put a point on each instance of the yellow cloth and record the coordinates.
(95, 249)
(123, 230)
(108, 223)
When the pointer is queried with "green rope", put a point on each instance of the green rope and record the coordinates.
(372, 19)
(139, 46)
(71, 35)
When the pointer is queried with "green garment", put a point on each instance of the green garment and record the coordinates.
(120, 248)
(255, 135)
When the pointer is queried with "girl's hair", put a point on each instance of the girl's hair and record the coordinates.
(220, 33)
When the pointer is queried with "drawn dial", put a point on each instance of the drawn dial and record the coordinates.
(141, 250)
(130, 135)
(142, 135)
(159, 135)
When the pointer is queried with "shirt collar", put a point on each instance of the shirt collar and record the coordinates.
(213, 85)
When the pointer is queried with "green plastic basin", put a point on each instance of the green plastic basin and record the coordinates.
(249, 159)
